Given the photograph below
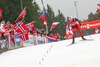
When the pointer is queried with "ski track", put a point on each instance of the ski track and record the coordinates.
(55, 54)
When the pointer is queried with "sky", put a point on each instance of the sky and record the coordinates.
(67, 7)
(55, 54)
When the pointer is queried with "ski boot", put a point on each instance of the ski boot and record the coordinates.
(73, 41)
(83, 38)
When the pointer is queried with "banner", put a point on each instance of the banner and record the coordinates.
(50, 39)
(17, 41)
(29, 42)
(40, 39)
(90, 25)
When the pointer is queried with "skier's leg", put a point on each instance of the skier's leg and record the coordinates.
(73, 41)
(73, 37)
(3, 36)
(81, 35)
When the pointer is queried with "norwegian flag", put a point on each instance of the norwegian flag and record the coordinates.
(1, 13)
(22, 15)
(54, 25)
(43, 17)
(69, 33)
(31, 26)
(20, 27)
(24, 36)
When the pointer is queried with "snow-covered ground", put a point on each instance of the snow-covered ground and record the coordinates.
(56, 54)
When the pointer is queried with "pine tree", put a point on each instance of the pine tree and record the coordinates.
(13, 8)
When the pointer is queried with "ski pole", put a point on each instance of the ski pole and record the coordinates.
(87, 34)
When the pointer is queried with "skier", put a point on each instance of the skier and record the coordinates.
(2, 30)
(75, 25)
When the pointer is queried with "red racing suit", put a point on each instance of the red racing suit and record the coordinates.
(75, 25)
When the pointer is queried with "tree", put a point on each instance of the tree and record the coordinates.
(92, 16)
(36, 14)
(50, 16)
(9, 9)
(12, 9)
(61, 29)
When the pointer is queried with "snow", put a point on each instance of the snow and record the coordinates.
(55, 54)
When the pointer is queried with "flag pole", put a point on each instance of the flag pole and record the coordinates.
(43, 5)
(19, 15)
(76, 9)
(44, 11)
(21, 9)
(21, 5)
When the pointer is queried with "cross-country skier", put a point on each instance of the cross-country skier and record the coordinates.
(75, 25)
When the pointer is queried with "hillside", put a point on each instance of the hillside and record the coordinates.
(56, 54)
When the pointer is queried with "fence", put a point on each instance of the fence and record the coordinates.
(14, 42)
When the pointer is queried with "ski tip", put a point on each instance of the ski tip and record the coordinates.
(71, 44)
(87, 40)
